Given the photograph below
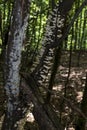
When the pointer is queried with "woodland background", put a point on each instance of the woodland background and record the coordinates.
(63, 97)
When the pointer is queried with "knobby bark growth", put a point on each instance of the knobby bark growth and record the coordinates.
(18, 25)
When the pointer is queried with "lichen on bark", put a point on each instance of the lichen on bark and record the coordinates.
(18, 26)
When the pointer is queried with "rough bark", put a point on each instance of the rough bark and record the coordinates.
(19, 22)
(40, 75)
(54, 32)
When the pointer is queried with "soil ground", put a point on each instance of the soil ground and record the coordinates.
(69, 85)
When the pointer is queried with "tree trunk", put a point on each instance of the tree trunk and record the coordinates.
(54, 32)
(19, 22)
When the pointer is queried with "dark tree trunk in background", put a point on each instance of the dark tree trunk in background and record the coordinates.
(19, 22)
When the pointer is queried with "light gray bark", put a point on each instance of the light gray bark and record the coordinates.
(19, 22)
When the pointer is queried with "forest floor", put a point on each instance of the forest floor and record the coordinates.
(69, 86)
(70, 83)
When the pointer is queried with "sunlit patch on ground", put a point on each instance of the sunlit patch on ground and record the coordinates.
(30, 117)
(79, 96)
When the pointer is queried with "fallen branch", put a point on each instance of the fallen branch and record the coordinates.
(44, 114)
